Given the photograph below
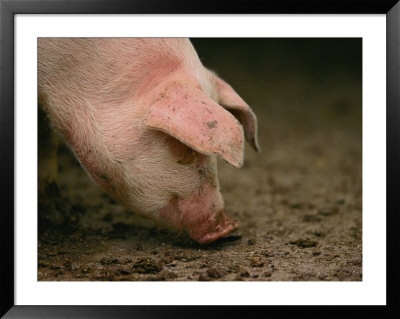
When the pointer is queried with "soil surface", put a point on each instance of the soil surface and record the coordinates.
(299, 201)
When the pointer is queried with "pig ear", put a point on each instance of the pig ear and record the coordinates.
(230, 100)
(185, 113)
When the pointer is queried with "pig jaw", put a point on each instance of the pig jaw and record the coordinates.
(200, 215)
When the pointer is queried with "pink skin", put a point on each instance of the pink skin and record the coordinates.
(199, 215)
(183, 111)
(229, 99)
(146, 120)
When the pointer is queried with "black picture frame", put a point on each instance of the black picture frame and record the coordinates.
(8, 10)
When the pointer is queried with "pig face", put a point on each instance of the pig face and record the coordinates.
(154, 145)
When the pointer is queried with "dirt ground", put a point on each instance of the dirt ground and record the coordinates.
(299, 201)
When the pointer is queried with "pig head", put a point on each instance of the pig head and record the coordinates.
(147, 120)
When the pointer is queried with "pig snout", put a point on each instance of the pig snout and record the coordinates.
(200, 215)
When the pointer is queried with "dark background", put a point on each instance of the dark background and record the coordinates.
(292, 71)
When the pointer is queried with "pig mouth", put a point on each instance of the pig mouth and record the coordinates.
(198, 217)
(213, 228)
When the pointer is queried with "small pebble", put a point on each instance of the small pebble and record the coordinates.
(244, 273)
(75, 266)
(257, 262)
(213, 273)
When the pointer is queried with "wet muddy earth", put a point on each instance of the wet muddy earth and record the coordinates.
(299, 201)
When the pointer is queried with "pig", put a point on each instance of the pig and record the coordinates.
(147, 120)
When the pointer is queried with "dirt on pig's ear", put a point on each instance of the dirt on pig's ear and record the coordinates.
(186, 113)
(230, 100)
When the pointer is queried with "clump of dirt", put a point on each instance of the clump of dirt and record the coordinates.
(147, 266)
(304, 243)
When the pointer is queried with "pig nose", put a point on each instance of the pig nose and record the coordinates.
(201, 215)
